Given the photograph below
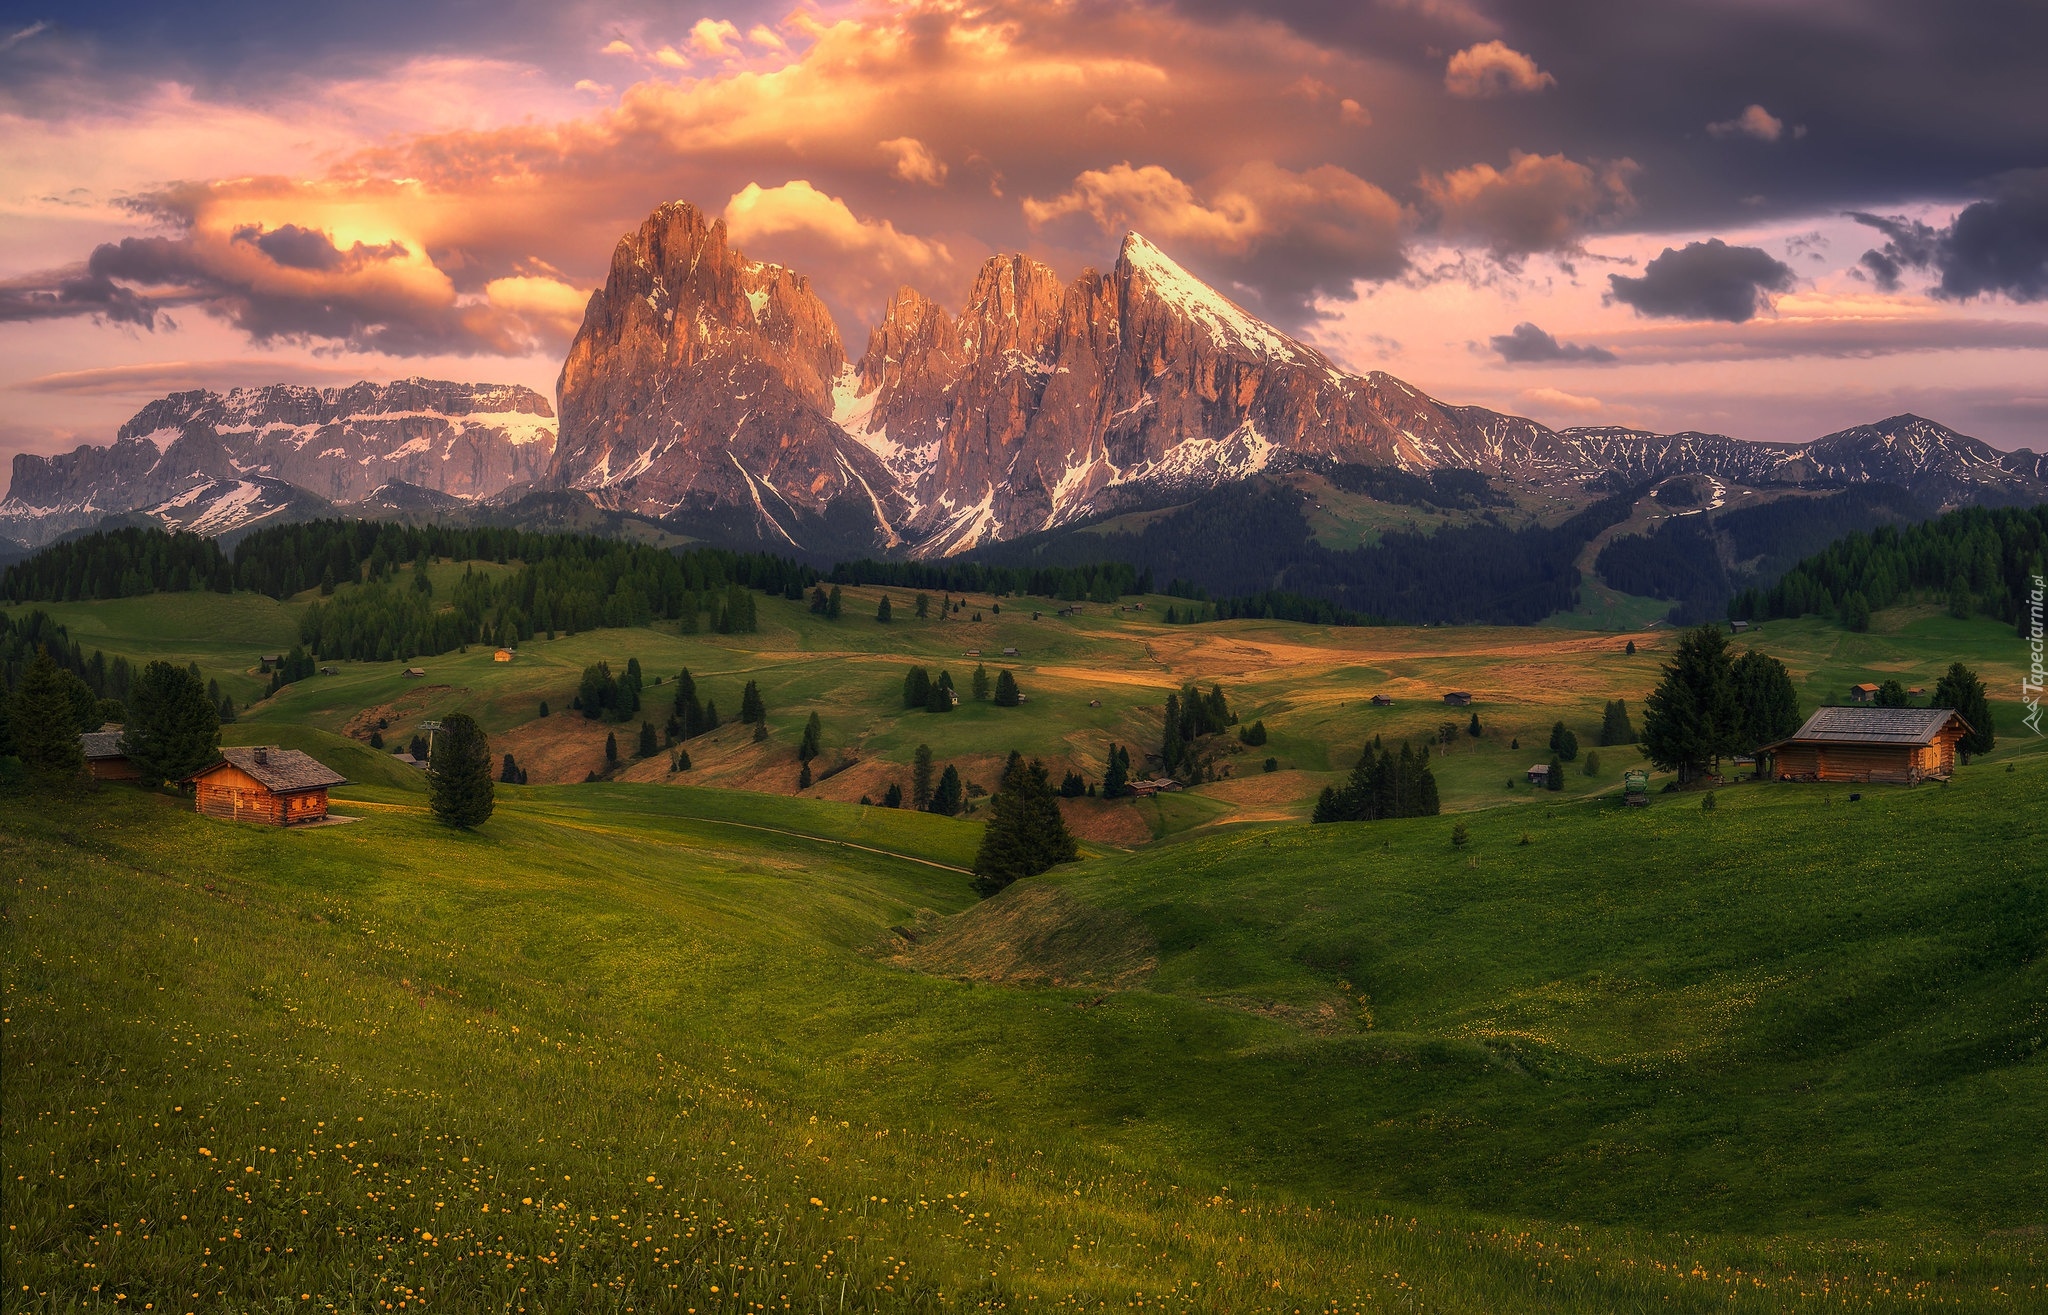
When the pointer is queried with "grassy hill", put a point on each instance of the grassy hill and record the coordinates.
(642, 1044)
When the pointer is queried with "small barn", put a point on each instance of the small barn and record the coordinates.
(104, 756)
(503, 655)
(1009, 652)
(1903, 746)
(1383, 700)
(1539, 774)
(263, 783)
(1865, 693)
(1458, 698)
(415, 672)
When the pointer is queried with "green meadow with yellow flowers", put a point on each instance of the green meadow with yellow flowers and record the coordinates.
(640, 1044)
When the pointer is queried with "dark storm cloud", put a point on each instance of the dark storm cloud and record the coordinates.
(1995, 246)
(1526, 344)
(70, 293)
(1703, 281)
(310, 249)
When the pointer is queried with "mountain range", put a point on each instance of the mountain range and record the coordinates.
(711, 394)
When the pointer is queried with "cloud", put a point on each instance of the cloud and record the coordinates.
(914, 163)
(15, 38)
(1707, 280)
(304, 248)
(1491, 69)
(154, 378)
(1756, 121)
(1539, 203)
(1556, 399)
(1527, 345)
(715, 38)
(1287, 237)
(1997, 246)
(856, 261)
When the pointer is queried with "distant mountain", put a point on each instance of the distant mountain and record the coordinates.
(338, 444)
(713, 392)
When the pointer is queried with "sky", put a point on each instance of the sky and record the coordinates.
(1767, 218)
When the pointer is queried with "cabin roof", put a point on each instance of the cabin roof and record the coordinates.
(282, 771)
(102, 744)
(1865, 725)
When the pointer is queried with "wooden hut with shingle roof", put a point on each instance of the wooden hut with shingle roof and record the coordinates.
(263, 783)
(1903, 746)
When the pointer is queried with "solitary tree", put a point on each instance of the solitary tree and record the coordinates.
(1692, 718)
(611, 747)
(173, 729)
(543, 707)
(893, 796)
(814, 732)
(832, 604)
(1007, 693)
(882, 609)
(921, 778)
(1554, 778)
(981, 685)
(459, 776)
(1631, 648)
(751, 707)
(1592, 762)
(1960, 689)
(924, 606)
(948, 795)
(510, 774)
(41, 719)
(1472, 727)
(1891, 694)
(1025, 833)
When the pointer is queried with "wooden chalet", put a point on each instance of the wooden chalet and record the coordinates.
(104, 756)
(503, 655)
(263, 783)
(1383, 700)
(1458, 698)
(1903, 746)
(1539, 774)
(415, 672)
(1865, 693)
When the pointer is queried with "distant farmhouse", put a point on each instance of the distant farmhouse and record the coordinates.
(1457, 698)
(1383, 700)
(1903, 746)
(104, 756)
(263, 783)
(1865, 693)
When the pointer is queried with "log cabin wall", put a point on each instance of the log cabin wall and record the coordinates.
(233, 795)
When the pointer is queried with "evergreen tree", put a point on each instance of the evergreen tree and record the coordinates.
(418, 748)
(227, 710)
(611, 747)
(803, 776)
(760, 732)
(981, 684)
(814, 733)
(1116, 777)
(1854, 610)
(1472, 727)
(1072, 786)
(924, 606)
(647, 741)
(1692, 719)
(1563, 743)
(1614, 724)
(41, 720)
(1960, 689)
(459, 778)
(1554, 778)
(818, 600)
(711, 715)
(376, 739)
(940, 699)
(1631, 648)
(1891, 694)
(917, 688)
(882, 609)
(173, 729)
(510, 773)
(679, 761)
(1025, 834)
(1253, 735)
(751, 707)
(1592, 762)
(893, 796)
(543, 707)
(1766, 702)
(947, 795)
(1383, 785)
(832, 604)
(1007, 693)
(921, 778)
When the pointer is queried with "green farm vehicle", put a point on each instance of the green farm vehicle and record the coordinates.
(1635, 788)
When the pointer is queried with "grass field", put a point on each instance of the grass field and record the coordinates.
(647, 1045)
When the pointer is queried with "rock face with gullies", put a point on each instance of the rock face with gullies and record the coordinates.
(340, 444)
(713, 391)
(700, 385)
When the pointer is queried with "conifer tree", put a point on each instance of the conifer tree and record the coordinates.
(981, 684)
(893, 796)
(679, 761)
(818, 600)
(832, 604)
(882, 609)
(803, 776)
(1631, 648)
(1960, 689)
(459, 785)
(1025, 834)
(760, 732)
(947, 795)
(921, 778)
(611, 747)
(1691, 719)
(924, 606)
(41, 720)
(1116, 777)
(1766, 701)
(1891, 694)
(751, 707)
(940, 699)
(814, 733)
(510, 773)
(1554, 778)
(1007, 693)
(1563, 742)
(647, 741)
(1472, 727)
(173, 729)
(917, 688)
(1614, 724)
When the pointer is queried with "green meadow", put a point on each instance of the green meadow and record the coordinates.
(648, 1045)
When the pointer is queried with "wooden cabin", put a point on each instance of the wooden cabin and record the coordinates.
(263, 783)
(1458, 698)
(415, 672)
(1539, 774)
(1383, 700)
(1865, 693)
(502, 655)
(104, 756)
(1903, 746)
